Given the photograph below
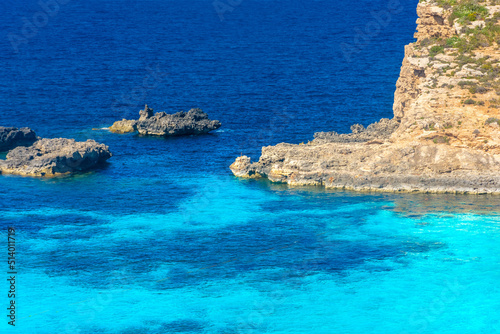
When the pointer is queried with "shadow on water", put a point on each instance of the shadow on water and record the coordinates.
(406, 204)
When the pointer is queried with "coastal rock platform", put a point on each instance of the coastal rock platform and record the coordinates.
(376, 166)
(55, 157)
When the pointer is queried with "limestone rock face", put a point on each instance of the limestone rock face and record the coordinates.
(146, 113)
(124, 126)
(11, 137)
(193, 122)
(242, 167)
(433, 21)
(381, 130)
(424, 168)
(54, 157)
(408, 84)
(444, 136)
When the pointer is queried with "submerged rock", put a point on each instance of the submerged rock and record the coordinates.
(54, 157)
(193, 122)
(11, 137)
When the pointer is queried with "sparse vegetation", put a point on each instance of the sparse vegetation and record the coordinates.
(435, 50)
(454, 42)
(441, 140)
(430, 127)
(467, 11)
(492, 120)
(447, 3)
(473, 87)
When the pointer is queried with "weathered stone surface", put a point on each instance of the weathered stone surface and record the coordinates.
(11, 137)
(381, 130)
(433, 21)
(425, 168)
(146, 113)
(440, 140)
(54, 157)
(124, 126)
(193, 122)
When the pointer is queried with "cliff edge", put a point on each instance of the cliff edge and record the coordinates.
(445, 134)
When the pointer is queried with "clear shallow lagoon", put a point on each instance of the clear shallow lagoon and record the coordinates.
(165, 240)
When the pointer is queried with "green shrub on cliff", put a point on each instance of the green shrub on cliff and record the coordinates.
(436, 49)
(492, 120)
(454, 42)
(441, 140)
(447, 3)
(467, 11)
(490, 31)
(463, 83)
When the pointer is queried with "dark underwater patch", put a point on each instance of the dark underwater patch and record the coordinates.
(202, 255)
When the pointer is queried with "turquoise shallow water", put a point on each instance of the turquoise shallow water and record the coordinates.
(252, 257)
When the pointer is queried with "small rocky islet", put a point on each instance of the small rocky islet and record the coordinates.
(29, 155)
(193, 122)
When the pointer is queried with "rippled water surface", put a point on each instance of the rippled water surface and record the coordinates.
(164, 239)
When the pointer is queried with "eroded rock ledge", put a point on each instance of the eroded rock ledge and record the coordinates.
(445, 134)
(376, 166)
(54, 157)
(193, 122)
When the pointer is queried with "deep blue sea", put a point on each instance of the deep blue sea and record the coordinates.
(164, 239)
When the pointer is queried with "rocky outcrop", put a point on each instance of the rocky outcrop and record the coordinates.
(375, 166)
(433, 22)
(381, 130)
(11, 137)
(445, 134)
(54, 157)
(124, 126)
(193, 122)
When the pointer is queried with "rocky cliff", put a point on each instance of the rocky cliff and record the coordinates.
(445, 134)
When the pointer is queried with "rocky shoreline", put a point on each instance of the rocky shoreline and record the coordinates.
(193, 122)
(444, 137)
(375, 166)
